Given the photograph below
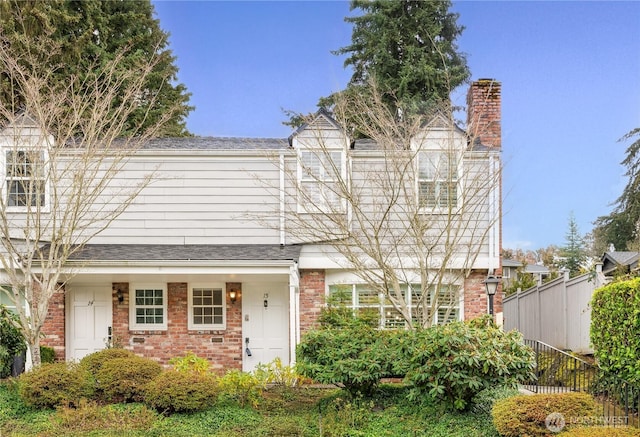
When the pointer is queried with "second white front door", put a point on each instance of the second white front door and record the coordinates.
(265, 324)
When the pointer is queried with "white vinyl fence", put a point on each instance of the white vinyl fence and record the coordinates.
(557, 313)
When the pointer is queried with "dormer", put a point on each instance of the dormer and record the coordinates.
(322, 130)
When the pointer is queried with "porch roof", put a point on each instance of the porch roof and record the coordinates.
(190, 252)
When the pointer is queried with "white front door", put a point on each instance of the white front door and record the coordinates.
(265, 324)
(90, 318)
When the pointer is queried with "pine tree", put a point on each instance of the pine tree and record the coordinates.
(89, 33)
(573, 253)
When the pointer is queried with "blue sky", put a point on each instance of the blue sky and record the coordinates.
(570, 74)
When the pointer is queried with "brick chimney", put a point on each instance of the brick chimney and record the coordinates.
(483, 112)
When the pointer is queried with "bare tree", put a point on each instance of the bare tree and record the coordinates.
(63, 160)
(409, 207)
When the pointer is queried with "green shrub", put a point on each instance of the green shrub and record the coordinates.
(241, 388)
(93, 362)
(601, 431)
(123, 379)
(615, 318)
(12, 341)
(47, 355)
(190, 363)
(454, 362)
(354, 355)
(51, 385)
(277, 374)
(525, 415)
(173, 391)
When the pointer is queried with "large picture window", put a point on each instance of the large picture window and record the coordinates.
(148, 307)
(207, 309)
(367, 302)
(320, 174)
(25, 178)
(437, 180)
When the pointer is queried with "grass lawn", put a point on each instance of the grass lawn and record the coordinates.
(281, 412)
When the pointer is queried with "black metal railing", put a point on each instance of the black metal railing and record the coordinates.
(557, 371)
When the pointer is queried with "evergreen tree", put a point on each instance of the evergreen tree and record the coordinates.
(407, 49)
(573, 253)
(621, 227)
(89, 33)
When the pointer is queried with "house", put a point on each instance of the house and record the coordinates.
(512, 268)
(206, 259)
(619, 262)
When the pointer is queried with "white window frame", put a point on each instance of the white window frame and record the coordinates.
(387, 320)
(133, 306)
(449, 177)
(324, 176)
(191, 325)
(11, 179)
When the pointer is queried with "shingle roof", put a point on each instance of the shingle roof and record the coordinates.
(623, 258)
(191, 252)
(217, 143)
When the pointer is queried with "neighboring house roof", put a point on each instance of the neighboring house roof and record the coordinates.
(529, 268)
(192, 252)
(613, 260)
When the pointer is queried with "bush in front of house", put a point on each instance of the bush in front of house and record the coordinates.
(55, 384)
(47, 354)
(174, 391)
(94, 361)
(456, 361)
(124, 379)
(190, 363)
(615, 317)
(12, 341)
(240, 388)
(526, 415)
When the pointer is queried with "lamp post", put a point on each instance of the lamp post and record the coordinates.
(491, 286)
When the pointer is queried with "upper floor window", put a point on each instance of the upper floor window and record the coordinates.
(437, 180)
(25, 178)
(320, 175)
(207, 309)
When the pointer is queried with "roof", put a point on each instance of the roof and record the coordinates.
(612, 260)
(528, 268)
(190, 252)
(217, 143)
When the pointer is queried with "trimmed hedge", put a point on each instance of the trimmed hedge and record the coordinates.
(55, 384)
(173, 391)
(94, 362)
(525, 415)
(615, 323)
(124, 379)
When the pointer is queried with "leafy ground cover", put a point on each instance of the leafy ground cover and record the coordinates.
(301, 411)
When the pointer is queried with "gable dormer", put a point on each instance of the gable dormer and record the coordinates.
(322, 130)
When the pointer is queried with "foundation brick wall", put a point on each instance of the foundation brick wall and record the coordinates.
(54, 325)
(476, 302)
(312, 297)
(178, 339)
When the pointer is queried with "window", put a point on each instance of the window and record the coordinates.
(437, 180)
(25, 178)
(319, 178)
(207, 309)
(367, 302)
(149, 308)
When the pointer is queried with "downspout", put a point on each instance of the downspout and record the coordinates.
(294, 313)
(282, 201)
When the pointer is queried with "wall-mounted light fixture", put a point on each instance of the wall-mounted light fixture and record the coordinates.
(119, 294)
(233, 296)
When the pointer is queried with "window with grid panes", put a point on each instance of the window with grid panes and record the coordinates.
(207, 308)
(25, 178)
(437, 180)
(319, 178)
(149, 308)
